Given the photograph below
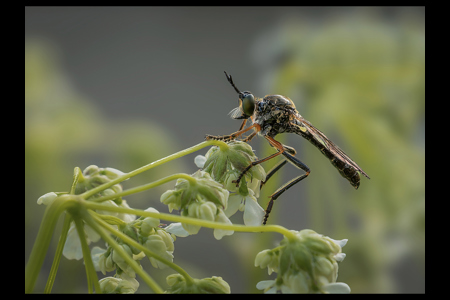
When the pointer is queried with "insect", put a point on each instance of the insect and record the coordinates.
(275, 114)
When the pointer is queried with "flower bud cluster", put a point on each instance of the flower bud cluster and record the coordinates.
(94, 176)
(214, 285)
(90, 178)
(119, 284)
(225, 166)
(306, 264)
(201, 198)
(146, 232)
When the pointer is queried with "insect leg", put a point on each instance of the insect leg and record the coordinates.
(278, 166)
(297, 163)
(275, 144)
(250, 137)
(242, 125)
(233, 135)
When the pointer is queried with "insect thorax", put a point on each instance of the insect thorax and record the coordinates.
(273, 114)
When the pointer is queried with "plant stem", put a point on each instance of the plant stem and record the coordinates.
(193, 221)
(43, 239)
(130, 261)
(145, 187)
(147, 252)
(77, 175)
(161, 161)
(91, 274)
(58, 254)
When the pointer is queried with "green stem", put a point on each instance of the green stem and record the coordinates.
(91, 274)
(58, 255)
(77, 176)
(146, 187)
(129, 260)
(147, 252)
(161, 161)
(188, 220)
(43, 239)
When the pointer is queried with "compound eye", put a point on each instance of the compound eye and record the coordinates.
(248, 103)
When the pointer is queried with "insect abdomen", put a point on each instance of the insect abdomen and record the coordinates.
(347, 171)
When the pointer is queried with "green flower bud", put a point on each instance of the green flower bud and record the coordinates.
(268, 259)
(120, 261)
(166, 238)
(108, 285)
(307, 263)
(214, 285)
(172, 198)
(118, 285)
(149, 223)
(91, 170)
(229, 178)
(155, 244)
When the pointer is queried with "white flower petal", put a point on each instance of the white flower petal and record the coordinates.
(339, 257)
(253, 213)
(222, 218)
(262, 285)
(199, 161)
(341, 243)
(47, 199)
(336, 288)
(234, 201)
(177, 229)
(96, 252)
(72, 247)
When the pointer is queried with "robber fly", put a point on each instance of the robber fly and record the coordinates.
(276, 114)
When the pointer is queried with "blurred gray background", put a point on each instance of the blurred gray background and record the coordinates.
(123, 86)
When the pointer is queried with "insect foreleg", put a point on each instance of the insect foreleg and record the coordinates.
(232, 136)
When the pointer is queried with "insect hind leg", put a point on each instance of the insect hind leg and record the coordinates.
(298, 164)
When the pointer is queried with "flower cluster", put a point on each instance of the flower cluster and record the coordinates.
(214, 285)
(146, 232)
(305, 264)
(90, 178)
(225, 165)
(200, 198)
(94, 176)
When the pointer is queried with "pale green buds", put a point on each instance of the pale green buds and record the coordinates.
(225, 166)
(305, 264)
(94, 176)
(120, 284)
(213, 285)
(200, 198)
(238, 155)
(201, 188)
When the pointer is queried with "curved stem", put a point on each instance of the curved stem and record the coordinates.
(145, 187)
(43, 239)
(130, 261)
(193, 221)
(77, 176)
(161, 161)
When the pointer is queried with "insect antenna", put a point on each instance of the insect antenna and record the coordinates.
(230, 80)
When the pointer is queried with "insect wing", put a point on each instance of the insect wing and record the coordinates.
(318, 135)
